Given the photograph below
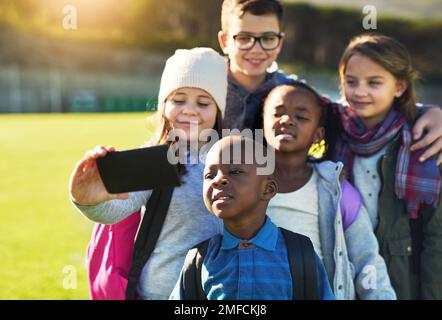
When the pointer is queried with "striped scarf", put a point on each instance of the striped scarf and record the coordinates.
(415, 182)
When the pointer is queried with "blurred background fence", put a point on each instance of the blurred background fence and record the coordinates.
(29, 90)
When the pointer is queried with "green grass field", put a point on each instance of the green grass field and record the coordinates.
(43, 238)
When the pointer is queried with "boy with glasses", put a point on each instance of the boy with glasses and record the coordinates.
(251, 37)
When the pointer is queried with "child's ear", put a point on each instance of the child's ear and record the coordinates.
(401, 87)
(319, 135)
(281, 43)
(270, 189)
(222, 39)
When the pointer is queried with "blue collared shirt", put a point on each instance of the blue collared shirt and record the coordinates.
(257, 269)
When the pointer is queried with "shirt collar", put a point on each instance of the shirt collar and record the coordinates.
(266, 238)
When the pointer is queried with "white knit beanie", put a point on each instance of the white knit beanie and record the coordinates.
(202, 68)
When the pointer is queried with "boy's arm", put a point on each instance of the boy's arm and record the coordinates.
(324, 290)
(431, 255)
(371, 277)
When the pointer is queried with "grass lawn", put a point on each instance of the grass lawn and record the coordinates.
(43, 238)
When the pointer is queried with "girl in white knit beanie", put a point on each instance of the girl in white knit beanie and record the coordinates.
(192, 94)
(198, 75)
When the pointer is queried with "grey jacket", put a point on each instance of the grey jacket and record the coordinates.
(351, 257)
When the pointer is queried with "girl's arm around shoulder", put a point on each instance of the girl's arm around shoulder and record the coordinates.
(427, 132)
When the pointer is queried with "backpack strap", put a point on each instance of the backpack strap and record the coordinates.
(302, 260)
(150, 229)
(192, 283)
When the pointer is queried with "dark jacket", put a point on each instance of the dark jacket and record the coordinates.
(244, 108)
(412, 248)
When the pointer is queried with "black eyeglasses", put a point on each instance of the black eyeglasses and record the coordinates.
(267, 41)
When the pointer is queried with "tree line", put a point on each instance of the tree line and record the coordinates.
(315, 35)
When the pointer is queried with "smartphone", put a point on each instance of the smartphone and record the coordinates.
(137, 170)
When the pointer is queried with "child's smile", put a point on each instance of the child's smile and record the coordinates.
(256, 62)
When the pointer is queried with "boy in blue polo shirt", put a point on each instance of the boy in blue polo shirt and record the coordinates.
(250, 260)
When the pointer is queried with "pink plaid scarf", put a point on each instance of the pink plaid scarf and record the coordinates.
(415, 182)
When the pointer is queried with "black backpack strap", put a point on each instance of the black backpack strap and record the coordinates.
(192, 283)
(150, 229)
(302, 259)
